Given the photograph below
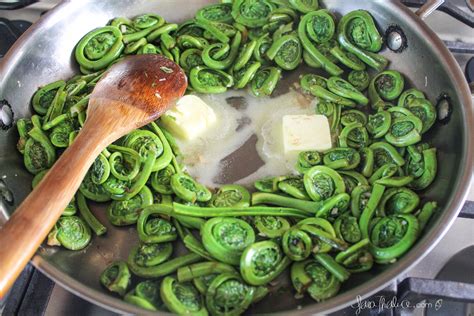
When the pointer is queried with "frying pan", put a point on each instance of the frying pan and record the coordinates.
(44, 54)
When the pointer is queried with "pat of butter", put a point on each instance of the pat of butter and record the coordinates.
(189, 118)
(306, 132)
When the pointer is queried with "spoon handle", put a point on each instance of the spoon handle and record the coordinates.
(29, 225)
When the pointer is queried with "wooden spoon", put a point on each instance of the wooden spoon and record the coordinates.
(133, 93)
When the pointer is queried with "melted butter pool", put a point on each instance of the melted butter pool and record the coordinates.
(246, 142)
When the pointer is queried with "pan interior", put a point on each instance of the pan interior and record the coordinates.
(47, 56)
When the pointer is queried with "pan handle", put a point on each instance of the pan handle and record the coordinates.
(429, 7)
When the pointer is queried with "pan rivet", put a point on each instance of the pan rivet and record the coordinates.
(394, 41)
(6, 115)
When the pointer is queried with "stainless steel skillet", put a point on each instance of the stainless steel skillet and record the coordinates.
(43, 54)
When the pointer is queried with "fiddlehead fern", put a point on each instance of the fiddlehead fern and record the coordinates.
(146, 295)
(409, 95)
(347, 228)
(231, 195)
(71, 232)
(304, 6)
(43, 98)
(425, 111)
(271, 226)
(312, 277)
(341, 158)
(353, 116)
(208, 80)
(265, 81)
(161, 180)
(293, 186)
(286, 51)
(359, 79)
(182, 298)
(404, 131)
(398, 201)
(149, 255)
(392, 236)
(355, 136)
(216, 13)
(188, 189)
(262, 262)
(318, 26)
(344, 89)
(358, 34)
(228, 295)
(153, 229)
(322, 182)
(226, 238)
(116, 277)
(307, 160)
(379, 124)
(422, 164)
(121, 213)
(100, 47)
(388, 86)
(251, 13)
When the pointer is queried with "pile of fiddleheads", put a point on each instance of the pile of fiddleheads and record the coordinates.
(341, 212)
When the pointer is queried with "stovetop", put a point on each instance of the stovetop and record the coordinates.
(441, 284)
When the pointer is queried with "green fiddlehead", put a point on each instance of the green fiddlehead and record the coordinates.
(231, 195)
(265, 81)
(404, 131)
(146, 295)
(39, 153)
(153, 229)
(116, 277)
(43, 98)
(342, 158)
(347, 228)
(100, 47)
(392, 236)
(208, 80)
(182, 298)
(318, 27)
(358, 34)
(188, 189)
(409, 95)
(344, 89)
(422, 164)
(307, 160)
(252, 13)
(293, 186)
(398, 201)
(312, 277)
(122, 213)
(353, 116)
(216, 13)
(226, 238)
(262, 262)
(322, 182)
(227, 294)
(71, 232)
(98, 228)
(424, 110)
(271, 226)
(359, 79)
(286, 52)
(304, 6)
(354, 135)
